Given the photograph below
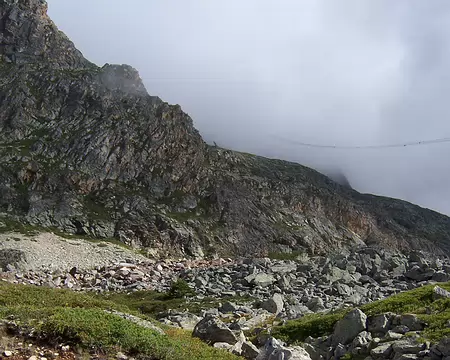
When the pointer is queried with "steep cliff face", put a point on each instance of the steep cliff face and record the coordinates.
(86, 150)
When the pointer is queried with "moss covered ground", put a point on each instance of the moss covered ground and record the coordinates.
(420, 301)
(80, 319)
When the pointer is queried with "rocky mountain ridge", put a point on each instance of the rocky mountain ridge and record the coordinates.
(85, 149)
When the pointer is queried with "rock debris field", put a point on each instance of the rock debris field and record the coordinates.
(275, 289)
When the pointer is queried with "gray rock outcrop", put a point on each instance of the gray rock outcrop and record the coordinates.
(86, 150)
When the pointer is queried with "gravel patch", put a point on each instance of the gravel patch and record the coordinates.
(50, 251)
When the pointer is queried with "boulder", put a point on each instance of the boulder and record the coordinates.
(274, 305)
(400, 329)
(260, 279)
(365, 279)
(349, 327)
(249, 351)
(412, 322)
(223, 345)
(335, 274)
(186, 321)
(315, 304)
(339, 351)
(284, 268)
(407, 346)
(379, 324)
(343, 289)
(355, 299)
(228, 307)
(444, 346)
(382, 351)
(362, 340)
(212, 330)
(296, 311)
(399, 271)
(418, 257)
(391, 335)
(263, 280)
(440, 293)
(440, 276)
(201, 282)
(314, 352)
(416, 273)
(273, 350)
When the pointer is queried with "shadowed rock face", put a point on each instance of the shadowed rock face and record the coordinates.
(85, 149)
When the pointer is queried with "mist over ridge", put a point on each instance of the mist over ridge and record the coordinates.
(249, 73)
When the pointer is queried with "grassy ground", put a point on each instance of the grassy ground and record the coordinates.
(152, 303)
(69, 317)
(78, 318)
(410, 302)
(8, 225)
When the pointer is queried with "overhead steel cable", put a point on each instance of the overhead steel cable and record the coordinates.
(349, 147)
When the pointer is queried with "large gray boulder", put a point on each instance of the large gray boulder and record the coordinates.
(263, 280)
(349, 327)
(315, 304)
(412, 322)
(407, 346)
(274, 305)
(260, 279)
(382, 351)
(335, 274)
(283, 268)
(212, 330)
(443, 347)
(228, 307)
(440, 276)
(362, 340)
(186, 321)
(314, 352)
(440, 293)
(274, 350)
(399, 271)
(418, 274)
(343, 289)
(249, 351)
(380, 324)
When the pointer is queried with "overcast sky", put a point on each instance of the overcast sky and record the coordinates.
(253, 74)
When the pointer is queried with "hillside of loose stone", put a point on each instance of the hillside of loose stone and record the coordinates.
(86, 150)
(372, 304)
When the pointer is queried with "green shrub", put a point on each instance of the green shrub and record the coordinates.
(180, 289)
(80, 319)
(314, 325)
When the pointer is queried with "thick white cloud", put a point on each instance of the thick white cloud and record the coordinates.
(344, 72)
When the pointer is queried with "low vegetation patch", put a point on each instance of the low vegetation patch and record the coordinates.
(8, 225)
(180, 289)
(80, 319)
(152, 303)
(420, 301)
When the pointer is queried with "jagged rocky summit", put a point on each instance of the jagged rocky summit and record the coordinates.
(86, 150)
